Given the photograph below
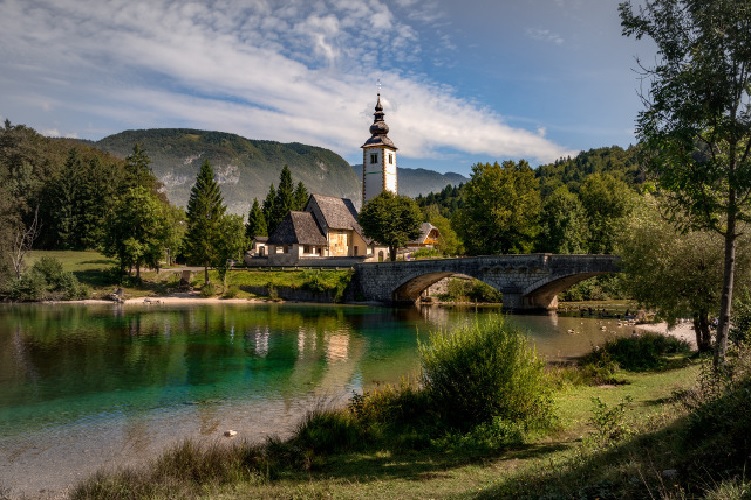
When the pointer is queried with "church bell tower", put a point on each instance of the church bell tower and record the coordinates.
(378, 158)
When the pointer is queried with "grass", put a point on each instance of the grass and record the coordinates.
(99, 273)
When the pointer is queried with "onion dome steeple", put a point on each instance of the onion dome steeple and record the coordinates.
(379, 130)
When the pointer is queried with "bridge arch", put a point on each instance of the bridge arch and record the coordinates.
(527, 282)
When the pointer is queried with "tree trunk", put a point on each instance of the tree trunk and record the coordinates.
(206, 274)
(703, 335)
(723, 325)
(392, 254)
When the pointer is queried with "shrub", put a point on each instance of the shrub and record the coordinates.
(46, 280)
(477, 373)
(208, 290)
(645, 352)
(326, 431)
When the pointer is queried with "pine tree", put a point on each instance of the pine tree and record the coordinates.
(256, 225)
(300, 196)
(205, 211)
(285, 196)
(138, 172)
(268, 210)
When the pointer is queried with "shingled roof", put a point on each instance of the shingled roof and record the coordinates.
(338, 213)
(300, 228)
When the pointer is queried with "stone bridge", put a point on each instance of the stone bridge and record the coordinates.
(528, 282)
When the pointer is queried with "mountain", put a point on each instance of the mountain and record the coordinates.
(244, 168)
(414, 181)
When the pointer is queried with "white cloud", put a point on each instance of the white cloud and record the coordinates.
(544, 35)
(281, 70)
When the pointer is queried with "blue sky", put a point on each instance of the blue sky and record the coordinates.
(462, 80)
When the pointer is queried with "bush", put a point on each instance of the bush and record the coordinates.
(46, 280)
(478, 373)
(208, 290)
(648, 351)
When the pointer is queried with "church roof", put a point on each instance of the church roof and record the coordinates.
(338, 213)
(298, 228)
(379, 130)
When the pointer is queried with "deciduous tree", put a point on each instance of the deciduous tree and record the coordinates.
(391, 220)
(501, 209)
(696, 127)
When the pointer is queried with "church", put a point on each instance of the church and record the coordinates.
(327, 231)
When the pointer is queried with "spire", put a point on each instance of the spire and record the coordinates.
(379, 130)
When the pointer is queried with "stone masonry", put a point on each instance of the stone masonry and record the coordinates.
(528, 282)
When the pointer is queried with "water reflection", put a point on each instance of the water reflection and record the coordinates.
(119, 382)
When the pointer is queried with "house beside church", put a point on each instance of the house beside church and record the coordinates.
(325, 233)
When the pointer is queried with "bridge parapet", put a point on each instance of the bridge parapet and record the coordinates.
(527, 281)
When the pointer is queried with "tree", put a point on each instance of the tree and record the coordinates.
(205, 211)
(677, 274)
(391, 220)
(137, 230)
(285, 197)
(501, 209)
(448, 243)
(563, 223)
(607, 202)
(300, 196)
(137, 170)
(231, 245)
(268, 210)
(696, 127)
(256, 225)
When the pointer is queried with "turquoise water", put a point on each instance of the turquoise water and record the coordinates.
(82, 385)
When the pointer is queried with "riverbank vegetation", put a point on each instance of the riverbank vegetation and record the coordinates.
(513, 428)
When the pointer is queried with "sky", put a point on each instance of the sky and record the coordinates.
(462, 81)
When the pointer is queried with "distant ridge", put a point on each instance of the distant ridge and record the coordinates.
(243, 167)
(414, 181)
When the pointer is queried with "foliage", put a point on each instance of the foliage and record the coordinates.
(137, 230)
(300, 197)
(231, 244)
(608, 202)
(597, 288)
(476, 373)
(463, 290)
(46, 280)
(622, 164)
(445, 202)
(204, 215)
(563, 223)
(645, 352)
(678, 274)
(717, 436)
(696, 128)
(448, 243)
(741, 329)
(391, 220)
(609, 423)
(256, 225)
(284, 201)
(502, 206)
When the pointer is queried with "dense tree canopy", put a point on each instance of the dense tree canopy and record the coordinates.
(391, 220)
(696, 128)
(563, 223)
(137, 230)
(501, 209)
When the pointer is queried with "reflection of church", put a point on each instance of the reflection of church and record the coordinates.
(327, 231)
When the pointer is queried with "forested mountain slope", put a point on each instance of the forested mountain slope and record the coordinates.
(244, 168)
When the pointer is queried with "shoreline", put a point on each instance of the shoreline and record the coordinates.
(683, 331)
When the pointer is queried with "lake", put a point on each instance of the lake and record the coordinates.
(84, 386)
